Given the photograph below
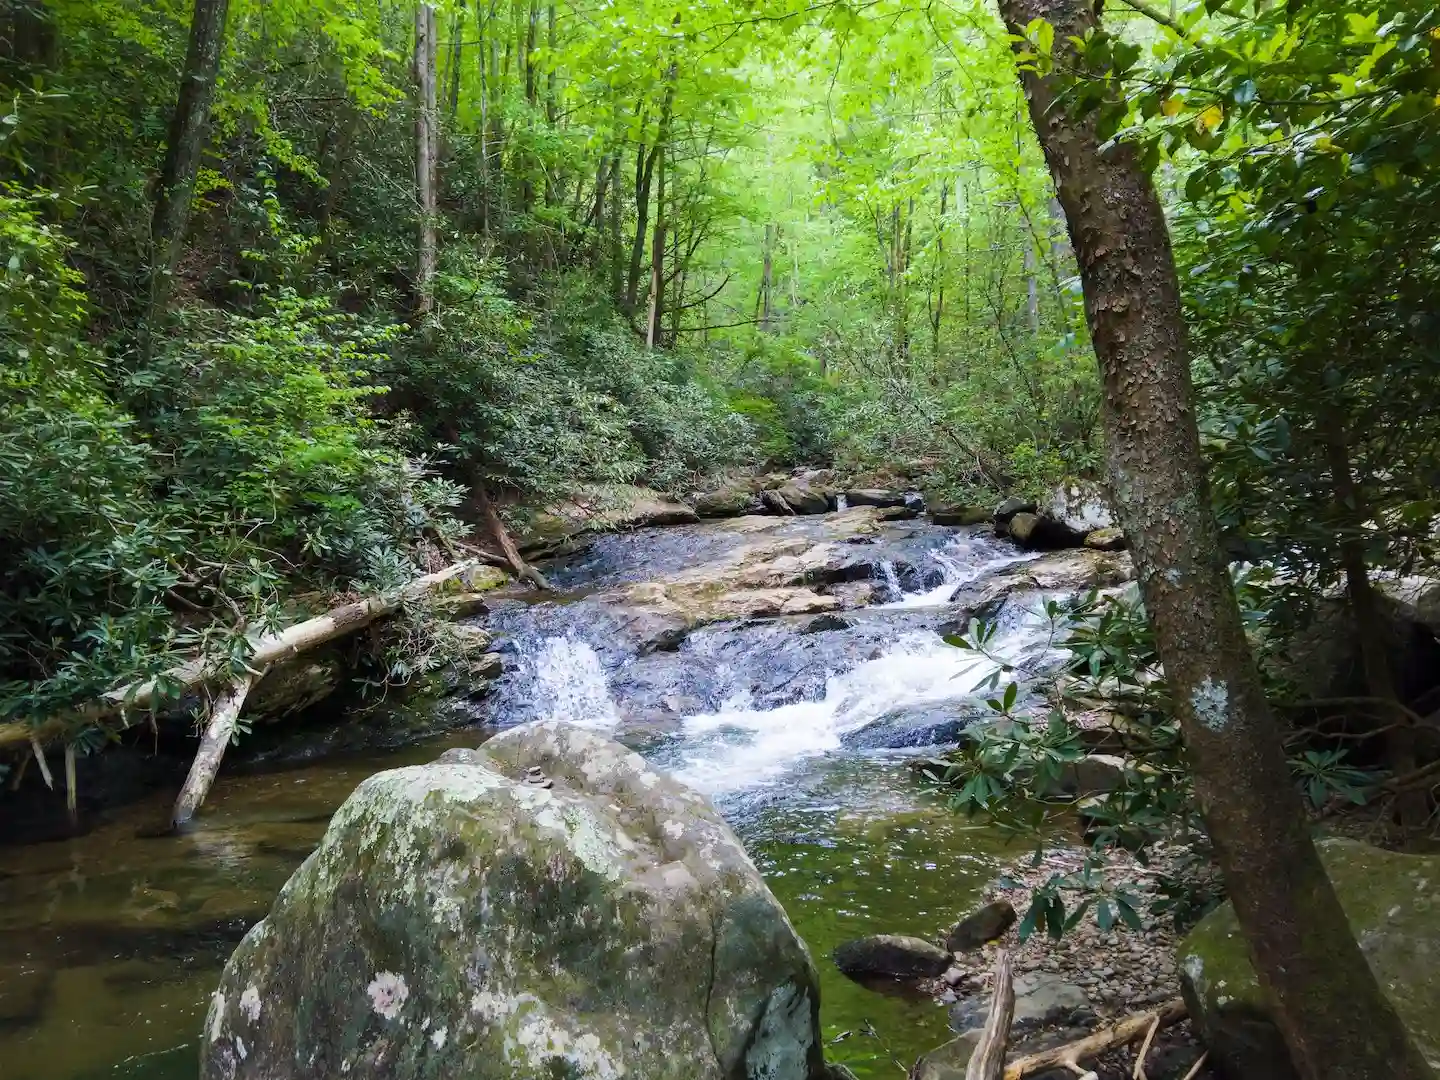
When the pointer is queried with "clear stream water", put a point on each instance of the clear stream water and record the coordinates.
(110, 943)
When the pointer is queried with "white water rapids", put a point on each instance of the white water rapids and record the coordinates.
(741, 747)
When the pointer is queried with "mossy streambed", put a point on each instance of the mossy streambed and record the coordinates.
(110, 944)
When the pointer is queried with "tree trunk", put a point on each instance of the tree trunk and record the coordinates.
(184, 144)
(1032, 287)
(224, 712)
(1326, 1001)
(1370, 625)
(937, 313)
(767, 272)
(521, 569)
(617, 268)
(426, 155)
(644, 172)
(657, 246)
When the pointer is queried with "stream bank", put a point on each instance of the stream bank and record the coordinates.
(794, 711)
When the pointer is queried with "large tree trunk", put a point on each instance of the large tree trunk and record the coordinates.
(1326, 1002)
(183, 146)
(425, 155)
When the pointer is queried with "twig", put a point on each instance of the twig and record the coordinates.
(1138, 1073)
(1156, 16)
(1199, 1064)
(1092, 1046)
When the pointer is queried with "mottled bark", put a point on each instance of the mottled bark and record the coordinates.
(184, 145)
(1325, 998)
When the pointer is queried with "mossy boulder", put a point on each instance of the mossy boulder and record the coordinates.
(1393, 904)
(544, 907)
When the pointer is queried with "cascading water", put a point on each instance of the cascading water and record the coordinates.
(726, 737)
(569, 684)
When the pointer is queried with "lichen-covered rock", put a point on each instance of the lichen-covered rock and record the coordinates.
(544, 907)
(1393, 904)
(804, 498)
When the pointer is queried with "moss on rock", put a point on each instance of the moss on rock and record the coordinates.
(1393, 904)
(458, 921)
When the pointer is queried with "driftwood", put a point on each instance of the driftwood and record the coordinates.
(988, 1060)
(136, 699)
(1122, 1033)
(223, 714)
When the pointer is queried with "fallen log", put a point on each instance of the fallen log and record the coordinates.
(224, 712)
(518, 566)
(1106, 1039)
(136, 699)
(988, 1060)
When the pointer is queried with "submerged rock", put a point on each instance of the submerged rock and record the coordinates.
(985, 923)
(459, 921)
(893, 956)
(1393, 904)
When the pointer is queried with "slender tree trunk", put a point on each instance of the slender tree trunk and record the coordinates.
(644, 173)
(426, 136)
(937, 313)
(457, 49)
(657, 249)
(1032, 287)
(767, 263)
(617, 268)
(1370, 623)
(184, 144)
(1326, 1002)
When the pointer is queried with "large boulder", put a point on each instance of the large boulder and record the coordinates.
(737, 496)
(545, 906)
(804, 498)
(1393, 904)
(602, 508)
(1081, 505)
(875, 497)
(946, 512)
(1066, 571)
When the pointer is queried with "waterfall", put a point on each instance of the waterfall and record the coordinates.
(569, 684)
(892, 580)
(842, 501)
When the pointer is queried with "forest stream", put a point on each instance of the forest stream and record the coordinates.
(798, 727)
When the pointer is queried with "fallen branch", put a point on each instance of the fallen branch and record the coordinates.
(134, 700)
(224, 712)
(518, 566)
(1118, 1034)
(988, 1060)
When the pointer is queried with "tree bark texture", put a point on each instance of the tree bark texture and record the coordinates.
(184, 145)
(1326, 1001)
(426, 155)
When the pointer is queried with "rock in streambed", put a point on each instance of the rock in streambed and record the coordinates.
(462, 919)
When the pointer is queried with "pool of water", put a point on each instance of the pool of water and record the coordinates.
(110, 944)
